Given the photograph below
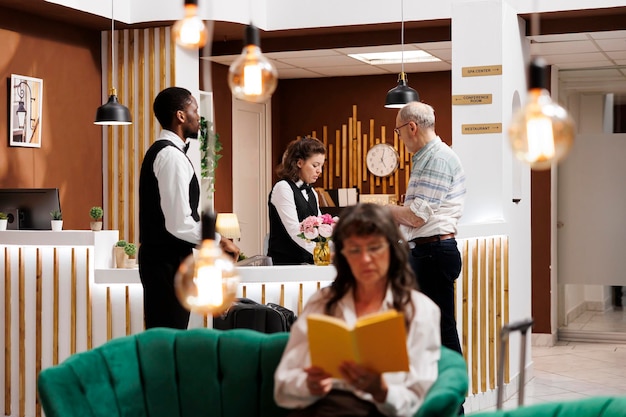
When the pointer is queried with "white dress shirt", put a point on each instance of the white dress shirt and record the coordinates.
(174, 171)
(406, 390)
(283, 200)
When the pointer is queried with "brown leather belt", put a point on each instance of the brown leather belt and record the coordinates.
(431, 239)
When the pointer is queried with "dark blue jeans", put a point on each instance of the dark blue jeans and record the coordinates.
(436, 266)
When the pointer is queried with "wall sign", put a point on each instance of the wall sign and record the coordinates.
(472, 99)
(481, 71)
(477, 129)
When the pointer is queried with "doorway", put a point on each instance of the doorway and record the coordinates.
(591, 219)
(252, 150)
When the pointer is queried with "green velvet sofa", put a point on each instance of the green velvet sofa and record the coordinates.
(587, 407)
(192, 373)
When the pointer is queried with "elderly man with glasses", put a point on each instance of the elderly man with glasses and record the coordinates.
(432, 207)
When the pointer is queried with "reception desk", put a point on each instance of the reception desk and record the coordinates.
(61, 295)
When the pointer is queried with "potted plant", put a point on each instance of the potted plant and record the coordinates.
(131, 251)
(96, 214)
(56, 220)
(119, 254)
(3, 221)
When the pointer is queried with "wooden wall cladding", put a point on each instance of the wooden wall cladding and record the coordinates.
(346, 150)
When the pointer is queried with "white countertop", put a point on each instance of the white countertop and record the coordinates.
(247, 274)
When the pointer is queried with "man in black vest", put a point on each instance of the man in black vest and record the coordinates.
(169, 194)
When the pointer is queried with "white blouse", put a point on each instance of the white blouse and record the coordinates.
(406, 389)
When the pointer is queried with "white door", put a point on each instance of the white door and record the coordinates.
(251, 172)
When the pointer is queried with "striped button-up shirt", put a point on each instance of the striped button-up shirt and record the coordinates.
(436, 190)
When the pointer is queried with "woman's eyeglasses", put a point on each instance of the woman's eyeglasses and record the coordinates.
(372, 250)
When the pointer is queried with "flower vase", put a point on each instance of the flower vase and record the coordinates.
(321, 254)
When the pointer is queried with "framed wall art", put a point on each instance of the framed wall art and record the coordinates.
(25, 111)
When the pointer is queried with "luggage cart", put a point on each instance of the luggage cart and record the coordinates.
(522, 326)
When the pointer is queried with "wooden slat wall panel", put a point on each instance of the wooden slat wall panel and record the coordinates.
(145, 64)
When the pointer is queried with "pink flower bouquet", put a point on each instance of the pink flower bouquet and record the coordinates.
(318, 228)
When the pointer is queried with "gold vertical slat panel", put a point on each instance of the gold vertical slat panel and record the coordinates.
(127, 309)
(109, 314)
(300, 298)
(141, 94)
(490, 311)
(505, 293)
(262, 293)
(88, 301)
(73, 303)
(483, 315)
(38, 328)
(162, 59)
(7, 331)
(172, 57)
(21, 299)
(131, 143)
(151, 77)
(55, 307)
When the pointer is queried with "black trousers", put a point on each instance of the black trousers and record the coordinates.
(157, 268)
(437, 265)
(338, 403)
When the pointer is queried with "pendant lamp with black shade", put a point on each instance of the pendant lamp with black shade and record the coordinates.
(112, 113)
(401, 94)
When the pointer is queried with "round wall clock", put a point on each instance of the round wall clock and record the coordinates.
(382, 159)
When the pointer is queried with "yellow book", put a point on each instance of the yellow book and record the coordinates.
(377, 341)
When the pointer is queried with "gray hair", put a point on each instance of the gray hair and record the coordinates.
(421, 113)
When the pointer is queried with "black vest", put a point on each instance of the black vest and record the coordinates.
(282, 249)
(151, 219)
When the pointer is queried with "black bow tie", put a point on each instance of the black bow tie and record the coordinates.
(186, 147)
(306, 187)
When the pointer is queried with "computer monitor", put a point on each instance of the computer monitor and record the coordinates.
(29, 208)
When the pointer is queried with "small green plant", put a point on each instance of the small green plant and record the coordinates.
(56, 215)
(3, 216)
(96, 213)
(121, 243)
(130, 249)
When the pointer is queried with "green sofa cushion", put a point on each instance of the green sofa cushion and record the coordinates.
(192, 373)
(587, 407)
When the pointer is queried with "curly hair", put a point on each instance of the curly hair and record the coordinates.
(365, 219)
(296, 150)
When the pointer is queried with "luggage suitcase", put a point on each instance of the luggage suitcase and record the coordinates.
(248, 314)
(522, 326)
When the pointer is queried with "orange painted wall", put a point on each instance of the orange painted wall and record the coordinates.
(67, 58)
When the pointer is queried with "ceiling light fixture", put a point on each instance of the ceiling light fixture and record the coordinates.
(112, 113)
(395, 57)
(541, 132)
(190, 32)
(401, 94)
(252, 77)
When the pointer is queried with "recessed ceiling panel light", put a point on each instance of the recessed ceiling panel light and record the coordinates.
(388, 58)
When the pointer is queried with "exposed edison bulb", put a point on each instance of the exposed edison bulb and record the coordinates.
(190, 32)
(206, 281)
(252, 77)
(541, 132)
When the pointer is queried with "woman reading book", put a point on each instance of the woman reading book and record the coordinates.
(373, 276)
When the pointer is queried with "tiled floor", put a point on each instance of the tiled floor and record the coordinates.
(572, 370)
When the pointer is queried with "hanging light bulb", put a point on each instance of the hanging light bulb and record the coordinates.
(252, 77)
(206, 281)
(401, 94)
(541, 132)
(190, 32)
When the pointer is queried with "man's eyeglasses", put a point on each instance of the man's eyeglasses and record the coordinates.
(397, 129)
(372, 250)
